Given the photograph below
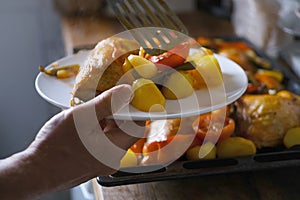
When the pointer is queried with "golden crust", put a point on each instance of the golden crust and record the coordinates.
(265, 119)
(103, 67)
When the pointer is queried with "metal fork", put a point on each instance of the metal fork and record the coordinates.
(139, 14)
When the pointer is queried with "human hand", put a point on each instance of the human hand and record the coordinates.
(59, 147)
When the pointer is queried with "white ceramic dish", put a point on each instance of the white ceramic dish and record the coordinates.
(58, 92)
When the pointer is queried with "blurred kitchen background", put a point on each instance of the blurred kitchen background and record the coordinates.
(31, 35)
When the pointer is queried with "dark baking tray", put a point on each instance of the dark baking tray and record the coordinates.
(267, 158)
(186, 169)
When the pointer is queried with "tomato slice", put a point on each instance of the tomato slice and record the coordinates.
(138, 146)
(155, 152)
(218, 131)
(173, 57)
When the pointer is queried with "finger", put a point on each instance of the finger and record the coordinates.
(120, 138)
(110, 101)
(137, 130)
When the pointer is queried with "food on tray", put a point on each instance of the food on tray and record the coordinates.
(216, 139)
(167, 140)
(235, 147)
(129, 159)
(65, 71)
(214, 127)
(292, 137)
(205, 151)
(262, 78)
(173, 74)
(156, 147)
(265, 119)
(238, 51)
(266, 116)
(266, 111)
(239, 57)
(167, 151)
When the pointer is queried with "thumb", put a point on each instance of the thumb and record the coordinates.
(112, 100)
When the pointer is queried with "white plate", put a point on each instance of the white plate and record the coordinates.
(58, 92)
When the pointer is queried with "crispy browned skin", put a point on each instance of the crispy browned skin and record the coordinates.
(266, 118)
(103, 68)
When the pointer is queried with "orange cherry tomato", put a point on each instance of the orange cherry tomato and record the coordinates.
(155, 152)
(138, 146)
(217, 131)
(173, 57)
(151, 152)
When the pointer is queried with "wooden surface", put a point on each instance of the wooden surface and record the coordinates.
(261, 185)
(265, 185)
(88, 30)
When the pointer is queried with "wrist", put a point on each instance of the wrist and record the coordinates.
(18, 172)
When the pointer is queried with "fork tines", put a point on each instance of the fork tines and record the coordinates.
(149, 13)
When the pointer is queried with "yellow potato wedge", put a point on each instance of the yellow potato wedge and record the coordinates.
(129, 159)
(205, 152)
(147, 97)
(292, 137)
(144, 67)
(235, 147)
(178, 85)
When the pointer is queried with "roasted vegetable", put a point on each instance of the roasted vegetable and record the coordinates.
(238, 51)
(208, 68)
(172, 58)
(147, 97)
(213, 127)
(168, 150)
(138, 146)
(269, 81)
(129, 159)
(235, 147)
(205, 151)
(144, 67)
(163, 75)
(239, 57)
(178, 85)
(65, 71)
(292, 137)
(159, 133)
(272, 73)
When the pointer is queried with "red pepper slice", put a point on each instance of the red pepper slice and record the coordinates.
(173, 57)
(202, 123)
(155, 152)
(138, 146)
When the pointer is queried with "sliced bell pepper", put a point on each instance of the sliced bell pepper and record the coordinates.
(172, 58)
(157, 152)
(217, 131)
